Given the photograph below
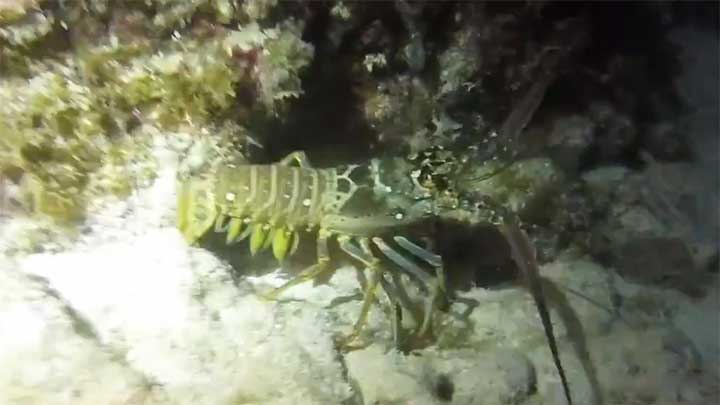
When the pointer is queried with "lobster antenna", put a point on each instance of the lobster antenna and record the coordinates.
(524, 256)
(495, 172)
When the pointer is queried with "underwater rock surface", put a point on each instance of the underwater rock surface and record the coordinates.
(594, 126)
(160, 322)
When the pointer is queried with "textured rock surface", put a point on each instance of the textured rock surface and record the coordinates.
(456, 376)
(49, 357)
(122, 311)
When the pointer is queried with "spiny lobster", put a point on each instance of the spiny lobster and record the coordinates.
(271, 204)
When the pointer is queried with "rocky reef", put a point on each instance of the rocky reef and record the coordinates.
(592, 127)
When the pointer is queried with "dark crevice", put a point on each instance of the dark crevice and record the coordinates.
(327, 120)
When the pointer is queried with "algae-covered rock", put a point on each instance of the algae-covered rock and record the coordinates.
(180, 86)
(53, 134)
(13, 10)
(22, 25)
(77, 118)
(177, 14)
(283, 55)
(399, 110)
(459, 62)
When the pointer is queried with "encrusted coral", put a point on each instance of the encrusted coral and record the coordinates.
(459, 63)
(179, 13)
(283, 54)
(179, 86)
(400, 110)
(27, 26)
(54, 133)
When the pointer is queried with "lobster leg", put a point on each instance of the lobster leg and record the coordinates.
(435, 286)
(365, 256)
(396, 312)
(404, 298)
(398, 293)
(323, 261)
(393, 295)
(406, 265)
(430, 258)
(375, 275)
(438, 288)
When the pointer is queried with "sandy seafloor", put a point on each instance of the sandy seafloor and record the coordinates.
(128, 313)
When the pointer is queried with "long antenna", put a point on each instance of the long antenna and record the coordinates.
(524, 256)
